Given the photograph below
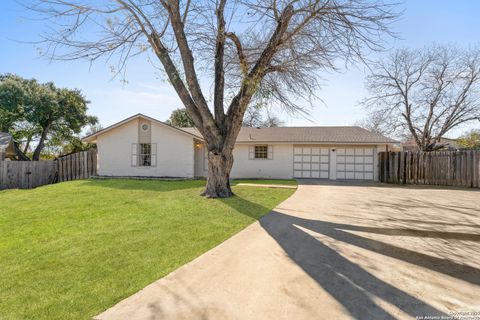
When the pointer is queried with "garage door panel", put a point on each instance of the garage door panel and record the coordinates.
(359, 159)
(359, 167)
(355, 163)
(359, 175)
(369, 152)
(310, 162)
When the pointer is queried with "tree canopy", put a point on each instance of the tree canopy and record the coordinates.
(180, 118)
(36, 113)
(470, 140)
(424, 93)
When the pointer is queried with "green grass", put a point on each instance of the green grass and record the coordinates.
(287, 182)
(71, 250)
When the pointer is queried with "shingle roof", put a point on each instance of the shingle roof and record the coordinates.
(307, 134)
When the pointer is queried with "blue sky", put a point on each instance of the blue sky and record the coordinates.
(423, 22)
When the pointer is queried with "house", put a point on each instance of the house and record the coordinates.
(141, 146)
(7, 149)
(448, 144)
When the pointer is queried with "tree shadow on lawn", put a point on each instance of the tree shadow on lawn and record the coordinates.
(350, 284)
(246, 207)
(144, 184)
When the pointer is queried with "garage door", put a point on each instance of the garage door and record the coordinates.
(355, 163)
(310, 162)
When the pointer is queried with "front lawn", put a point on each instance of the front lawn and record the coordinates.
(72, 250)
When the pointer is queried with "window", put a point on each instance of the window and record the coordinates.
(144, 154)
(261, 152)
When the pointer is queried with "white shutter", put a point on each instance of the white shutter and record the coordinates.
(134, 154)
(154, 154)
(270, 152)
(251, 152)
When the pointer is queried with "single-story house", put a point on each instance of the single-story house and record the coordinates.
(141, 146)
(7, 149)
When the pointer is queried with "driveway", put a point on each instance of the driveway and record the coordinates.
(333, 251)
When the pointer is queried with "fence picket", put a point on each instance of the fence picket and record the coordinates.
(451, 168)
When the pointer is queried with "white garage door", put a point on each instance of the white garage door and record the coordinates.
(355, 163)
(310, 162)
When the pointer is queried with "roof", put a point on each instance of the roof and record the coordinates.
(6, 140)
(344, 134)
(93, 137)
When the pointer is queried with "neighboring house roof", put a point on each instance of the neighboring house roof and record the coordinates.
(412, 145)
(93, 137)
(342, 134)
(6, 140)
(7, 148)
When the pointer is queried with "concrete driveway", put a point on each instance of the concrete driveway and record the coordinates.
(333, 251)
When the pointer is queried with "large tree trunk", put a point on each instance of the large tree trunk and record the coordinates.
(41, 144)
(218, 179)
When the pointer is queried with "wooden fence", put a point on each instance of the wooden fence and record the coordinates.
(447, 168)
(81, 165)
(31, 174)
(26, 174)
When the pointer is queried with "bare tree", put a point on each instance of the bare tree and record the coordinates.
(423, 94)
(243, 47)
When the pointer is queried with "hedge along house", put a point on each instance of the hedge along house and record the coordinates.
(141, 146)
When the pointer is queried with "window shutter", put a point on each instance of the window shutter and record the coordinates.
(134, 154)
(154, 154)
(251, 152)
(270, 152)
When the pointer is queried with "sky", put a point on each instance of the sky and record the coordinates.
(423, 22)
